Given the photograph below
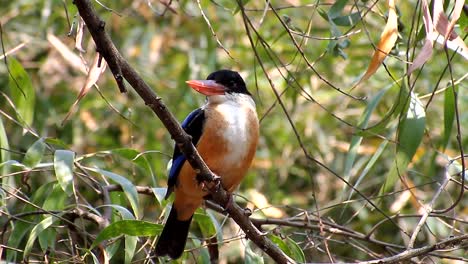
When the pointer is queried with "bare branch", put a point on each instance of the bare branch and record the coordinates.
(121, 69)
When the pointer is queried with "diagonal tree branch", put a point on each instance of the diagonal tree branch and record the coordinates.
(118, 65)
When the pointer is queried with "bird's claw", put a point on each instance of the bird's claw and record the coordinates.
(205, 185)
(247, 211)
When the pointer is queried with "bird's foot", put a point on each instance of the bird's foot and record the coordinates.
(208, 185)
(247, 211)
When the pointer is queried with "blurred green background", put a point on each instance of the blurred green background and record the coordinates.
(169, 42)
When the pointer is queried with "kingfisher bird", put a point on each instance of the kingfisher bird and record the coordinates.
(225, 132)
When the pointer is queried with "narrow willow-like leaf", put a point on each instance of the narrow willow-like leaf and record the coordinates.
(205, 224)
(34, 154)
(63, 165)
(449, 115)
(128, 227)
(127, 186)
(5, 158)
(22, 91)
(44, 224)
(356, 140)
(130, 246)
(409, 138)
(296, 251)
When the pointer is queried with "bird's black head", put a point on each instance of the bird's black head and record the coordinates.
(229, 79)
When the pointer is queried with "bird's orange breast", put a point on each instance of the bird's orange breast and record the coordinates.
(227, 145)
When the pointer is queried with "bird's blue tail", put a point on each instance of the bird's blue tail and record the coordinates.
(173, 237)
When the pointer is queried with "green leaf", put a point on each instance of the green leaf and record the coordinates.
(34, 154)
(251, 257)
(337, 8)
(44, 224)
(204, 222)
(398, 106)
(129, 228)
(130, 246)
(17, 234)
(55, 199)
(296, 251)
(22, 91)
(449, 115)
(5, 157)
(56, 142)
(281, 244)
(127, 186)
(348, 20)
(47, 239)
(409, 138)
(356, 140)
(124, 212)
(243, 3)
(369, 166)
(63, 165)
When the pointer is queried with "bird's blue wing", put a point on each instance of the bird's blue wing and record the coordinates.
(193, 125)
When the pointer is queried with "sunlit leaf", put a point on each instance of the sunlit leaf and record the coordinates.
(128, 227)
(159, 193)
(63, 165)
(67, 54)
(22, 91)
(34, 154)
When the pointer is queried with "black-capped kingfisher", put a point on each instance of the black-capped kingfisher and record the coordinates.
(225, 133)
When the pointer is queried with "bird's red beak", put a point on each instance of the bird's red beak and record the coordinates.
(207, 87)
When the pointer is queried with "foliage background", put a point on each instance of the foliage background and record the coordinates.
(113, 132)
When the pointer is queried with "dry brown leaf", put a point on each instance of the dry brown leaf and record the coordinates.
(12, 51)
(456, 13)
(388, 39)
(426, 51)
(79, 35)
(443, 27)
(441, 22)
(70, 57)
(93, 76)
